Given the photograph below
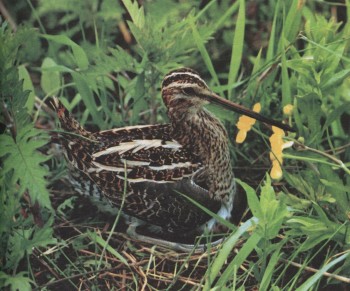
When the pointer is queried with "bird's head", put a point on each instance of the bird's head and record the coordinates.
(184, 90)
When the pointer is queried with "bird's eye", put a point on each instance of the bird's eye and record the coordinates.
(189, 91)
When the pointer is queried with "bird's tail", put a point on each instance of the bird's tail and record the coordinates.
(68, 123)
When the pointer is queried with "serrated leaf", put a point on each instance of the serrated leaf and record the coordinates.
(137, 14)
(22, 242)
(123, 61)
(19, 281)
(21, 157)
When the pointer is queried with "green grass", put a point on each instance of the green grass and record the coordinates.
(105, 60)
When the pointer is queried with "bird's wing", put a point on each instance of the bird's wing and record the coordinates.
(143, 154)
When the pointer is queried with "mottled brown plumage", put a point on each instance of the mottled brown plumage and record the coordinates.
(152, 164)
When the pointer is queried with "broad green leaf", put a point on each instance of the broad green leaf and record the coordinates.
(88, 97)
(292, 23)
(50, 78)
(336, 79)
(274, 211)
(253, 200)
(78, 52)
(294, 201)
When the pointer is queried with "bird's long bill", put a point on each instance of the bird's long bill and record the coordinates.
(216, 99)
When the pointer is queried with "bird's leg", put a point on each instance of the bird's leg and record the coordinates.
(182, 247)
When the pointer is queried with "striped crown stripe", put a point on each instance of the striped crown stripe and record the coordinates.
(183, 78)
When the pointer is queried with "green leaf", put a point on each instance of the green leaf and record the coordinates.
(270, 269)
(50, 78)
(310, 107)
(224, 251)
(21, 157)
(137, 14)
(79, 54)
(23, 242)
(336, 79)
(295, 201)
(247, 248)
(253, 200)
(27, 85)
(292, 23)
(138, 93)
(335, 114)
(274, 211)
(286, 88)
(19, 281)
(237, 46)
(253, 81)
(203, 51)
(88, 97)
(272, 43)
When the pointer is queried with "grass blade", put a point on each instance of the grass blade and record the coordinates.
(286, 91)
(203, 51)
(227, 247)
(237, 46)
(242, 255)
(314, 278)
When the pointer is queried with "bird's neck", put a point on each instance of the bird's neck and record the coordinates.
(203, 134)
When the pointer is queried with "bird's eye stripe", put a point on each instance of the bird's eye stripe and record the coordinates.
(189, 91)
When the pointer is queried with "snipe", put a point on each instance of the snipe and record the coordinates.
(146, 167)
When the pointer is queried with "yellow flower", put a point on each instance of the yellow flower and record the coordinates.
(276, 171)
(288, 109)
(245, 124)
(276, 156)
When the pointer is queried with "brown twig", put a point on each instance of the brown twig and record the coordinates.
(8, 16)
(313, 270)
